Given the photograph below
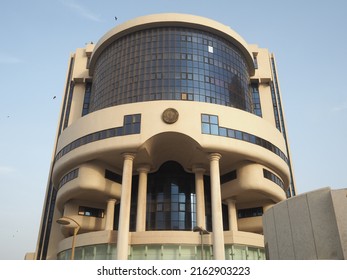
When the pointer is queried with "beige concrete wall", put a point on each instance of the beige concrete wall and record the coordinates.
(90, 184)
(79, 75)
(305, 227)
(189, 124)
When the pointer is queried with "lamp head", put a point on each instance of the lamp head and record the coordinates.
(200, 229)
(63, 221)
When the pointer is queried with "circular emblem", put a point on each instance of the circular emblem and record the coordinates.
(170, 115)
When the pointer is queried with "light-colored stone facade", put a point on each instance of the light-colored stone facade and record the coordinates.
(309, 226)
(204, 134)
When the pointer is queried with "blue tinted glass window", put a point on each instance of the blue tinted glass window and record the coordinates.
(128, 119)
(132, 124)
(177, 194)
(222, 131)
(119, 131)
(120, 71)
(213, 119)
(137, 128)
(238, 134)
(231, 133)
(205, 118)
(206, 128)
(174, 207)
(214, 129)
(245, 136)
(137, 118)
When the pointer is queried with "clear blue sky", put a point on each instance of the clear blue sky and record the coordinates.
(309, 39)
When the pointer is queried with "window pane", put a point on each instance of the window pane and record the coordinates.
(238, 134)
(205, 118)
(127, 129)
(205, 128)
(137, 118)
(136, 128)
(174, 207)
(128, 119)
(214, 119)
(222, 131)
(231, 133)
(214, 129)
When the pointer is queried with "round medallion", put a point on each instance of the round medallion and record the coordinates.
(170, 115)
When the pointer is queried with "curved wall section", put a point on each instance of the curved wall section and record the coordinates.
(245, 184)
(171, 63)
(152, 127)
(90, 184)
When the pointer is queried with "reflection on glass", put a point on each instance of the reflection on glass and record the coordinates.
(174, 189)
(155, 64)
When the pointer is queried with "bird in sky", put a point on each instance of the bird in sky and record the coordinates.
(115, 18)
(54, 97)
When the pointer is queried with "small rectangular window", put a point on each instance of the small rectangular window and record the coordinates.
(245, 136)
(132, 125)
(232, 175)
(209, 124)
(112, 176)
(222, 131)
(238, 134)
(205, 128)
(128, 119)
(231, 133)
(91, 212)
(250, 212)
(255, 60)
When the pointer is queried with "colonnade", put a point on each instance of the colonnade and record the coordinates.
(125, 204)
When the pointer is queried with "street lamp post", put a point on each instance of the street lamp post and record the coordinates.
(76, 226)
(202, 232)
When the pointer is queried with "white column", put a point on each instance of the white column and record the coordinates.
(142, 199)
(200, 196)
(232, 215)
(216, 205)
(110, 214)
(124, 213)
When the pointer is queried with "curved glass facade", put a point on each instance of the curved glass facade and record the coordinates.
(171, 63)
(171, 200)
(163, 252)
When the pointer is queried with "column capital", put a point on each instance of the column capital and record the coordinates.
(144, 168)
(214, 156)
(230, 200)
(198, 168)
(129, 156)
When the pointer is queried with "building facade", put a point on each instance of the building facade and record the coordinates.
(310, 226)
(171, 144)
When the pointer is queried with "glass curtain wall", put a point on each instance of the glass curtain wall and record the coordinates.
(171, 63)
